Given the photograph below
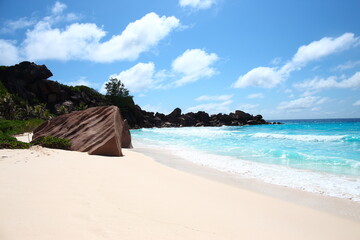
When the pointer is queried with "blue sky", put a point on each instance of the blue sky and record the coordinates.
(282, 59)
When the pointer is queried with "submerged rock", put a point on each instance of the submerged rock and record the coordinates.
(96, 130)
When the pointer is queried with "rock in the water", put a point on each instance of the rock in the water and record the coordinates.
(96, 130)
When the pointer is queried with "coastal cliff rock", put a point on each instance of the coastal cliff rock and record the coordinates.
(96, 130)
(30, 82)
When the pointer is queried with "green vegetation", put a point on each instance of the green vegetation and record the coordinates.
(124, 103)
(116, 88)
(15, 108)
(118, 95)
(53, 142)
(9, 142)
(12, 127)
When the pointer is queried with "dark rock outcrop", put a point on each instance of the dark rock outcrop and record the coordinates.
(30, 82)
(96, 130)
(143, 119)
(177, 119)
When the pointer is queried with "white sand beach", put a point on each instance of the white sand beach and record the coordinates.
(56, 194)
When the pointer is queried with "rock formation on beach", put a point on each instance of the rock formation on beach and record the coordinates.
(96, 130)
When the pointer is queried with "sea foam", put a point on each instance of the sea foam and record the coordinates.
(304, 138)
(320, 156)
(322, 183)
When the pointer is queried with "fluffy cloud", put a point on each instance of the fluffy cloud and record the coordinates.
(193, 65)
(214, 98)
(138, 37)
(255, 95)
(9, 53)
(319, 49)
(77, 41)
(143, 77)
(330, 82)
(82, 41)
(270, 77)
(137, 78)
(197, 4)
(259, 77)
(222, 107)
(299, 104)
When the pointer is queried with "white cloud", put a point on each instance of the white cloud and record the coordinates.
(193, 65)
(357, 103)
(137, 78)
(9, 53)
(214, 98)
(255, 95)
(347, 65)
(319, 49)
(82, 41)
(58, 8)
(143, 77)
(138, 37)
(270, 77)
(197, 4)
(303, 103)
(330, 82)
(212, 108)
(259, 77)
(77, 41)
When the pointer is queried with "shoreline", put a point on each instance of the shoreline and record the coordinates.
(334, 205)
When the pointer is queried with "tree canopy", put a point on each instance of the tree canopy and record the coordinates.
(116, 88)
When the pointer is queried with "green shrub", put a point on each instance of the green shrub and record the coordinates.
(9, 142)
(53, 142)
(12, 127)
(124, 103)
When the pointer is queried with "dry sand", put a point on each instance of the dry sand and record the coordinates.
(55, 194)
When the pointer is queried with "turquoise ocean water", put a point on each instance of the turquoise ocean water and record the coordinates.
(320, 156)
